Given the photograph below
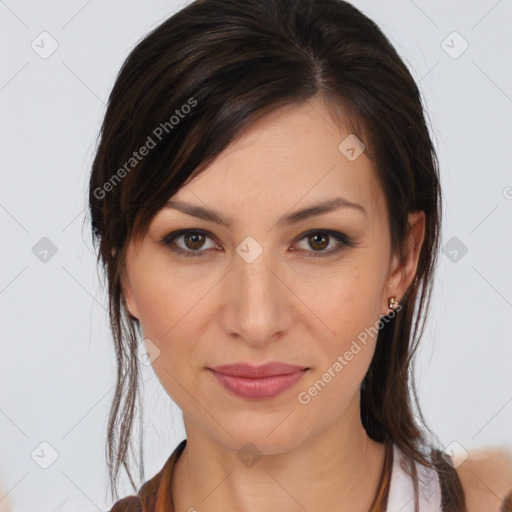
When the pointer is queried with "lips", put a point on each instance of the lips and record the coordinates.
(258, 382)
(253, 371)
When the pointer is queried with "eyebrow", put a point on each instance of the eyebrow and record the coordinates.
(211, 215)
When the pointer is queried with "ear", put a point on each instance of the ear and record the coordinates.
(402, 272)
(127, 296)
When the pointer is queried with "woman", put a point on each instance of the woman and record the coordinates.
(266, 200)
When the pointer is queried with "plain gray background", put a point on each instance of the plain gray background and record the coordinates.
(57, 361)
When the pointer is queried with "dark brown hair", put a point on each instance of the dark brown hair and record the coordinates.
(230, 62)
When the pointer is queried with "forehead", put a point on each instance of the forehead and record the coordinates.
(293, 157)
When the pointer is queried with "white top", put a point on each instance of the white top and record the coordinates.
(401, 487)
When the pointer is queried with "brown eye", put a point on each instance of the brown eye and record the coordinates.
(191, 242)
(194, 241)
(318, 241)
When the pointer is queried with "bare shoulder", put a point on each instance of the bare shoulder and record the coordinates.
(486, 477)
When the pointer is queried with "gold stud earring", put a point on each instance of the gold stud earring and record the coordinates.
(393, 302)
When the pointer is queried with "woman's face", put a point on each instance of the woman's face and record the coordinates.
(270, 285)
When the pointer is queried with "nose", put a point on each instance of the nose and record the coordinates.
(258, 308)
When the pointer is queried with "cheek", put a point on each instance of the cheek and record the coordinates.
(173, 316)
(349, 301)
(167, 298)
(350, 309)
(167, 320)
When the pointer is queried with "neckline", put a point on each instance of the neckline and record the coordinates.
(161, 494)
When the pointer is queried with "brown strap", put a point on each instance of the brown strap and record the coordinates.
(155, 494)
(128, 504)
(506, 506)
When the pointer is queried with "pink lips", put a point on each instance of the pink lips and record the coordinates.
(264, 381)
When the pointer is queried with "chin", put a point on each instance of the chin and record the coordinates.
(268, 437)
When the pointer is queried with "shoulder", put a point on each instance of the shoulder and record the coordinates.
(486, 477)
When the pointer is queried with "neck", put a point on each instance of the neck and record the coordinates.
(339, 468)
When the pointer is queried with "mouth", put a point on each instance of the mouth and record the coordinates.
(258, 382)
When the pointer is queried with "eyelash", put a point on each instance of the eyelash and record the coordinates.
(168, 241)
